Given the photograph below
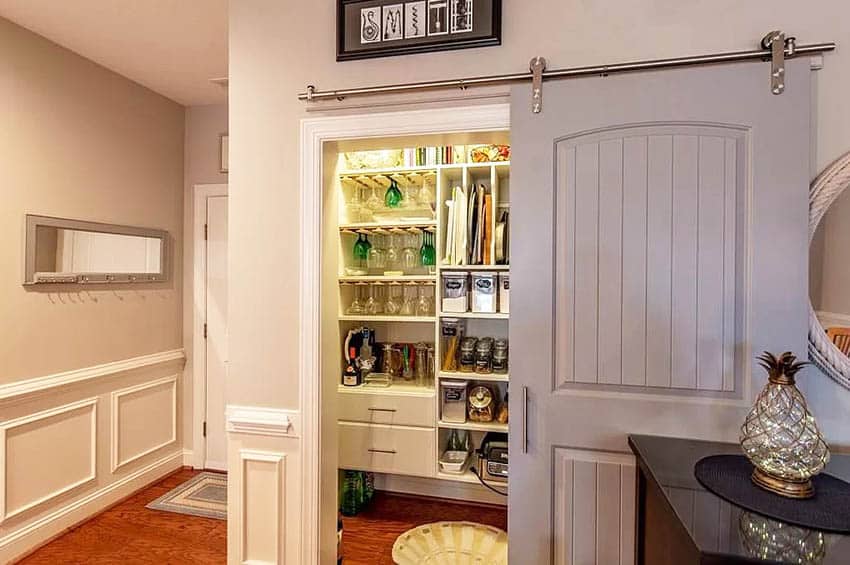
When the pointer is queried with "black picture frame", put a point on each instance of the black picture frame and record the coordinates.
(482, 29)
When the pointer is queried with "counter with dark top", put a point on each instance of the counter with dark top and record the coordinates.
(679, 522)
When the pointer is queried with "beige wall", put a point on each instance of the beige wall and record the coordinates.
(204, 125)
(268, 68)
(79, 141)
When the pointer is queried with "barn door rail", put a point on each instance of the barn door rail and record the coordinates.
(775, 47)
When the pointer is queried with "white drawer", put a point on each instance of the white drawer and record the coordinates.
(400, 409)
(387, 449)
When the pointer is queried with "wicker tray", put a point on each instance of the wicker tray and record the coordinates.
(452, 542)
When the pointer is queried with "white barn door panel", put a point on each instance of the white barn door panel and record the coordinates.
(646, 280)
(659, 236)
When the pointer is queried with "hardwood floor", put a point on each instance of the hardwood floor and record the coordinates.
(368, 537)
(129, 533)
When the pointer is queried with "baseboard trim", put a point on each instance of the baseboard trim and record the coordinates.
(188, 458)
(143, 476)
(40, 385)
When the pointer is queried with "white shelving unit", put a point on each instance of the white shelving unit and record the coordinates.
(496, 177)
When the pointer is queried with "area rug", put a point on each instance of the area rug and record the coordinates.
(204, 495)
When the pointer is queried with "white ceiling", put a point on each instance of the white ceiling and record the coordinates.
(173, 47)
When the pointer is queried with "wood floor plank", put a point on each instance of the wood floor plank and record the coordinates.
(129, 533)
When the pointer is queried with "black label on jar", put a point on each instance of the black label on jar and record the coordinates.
(484, 284)
(454, 285)
(453, 394)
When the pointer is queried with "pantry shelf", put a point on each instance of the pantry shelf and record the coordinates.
(466, 477)
(475, 426)
(484, 377)
(386, 278)
(392, 390)
(386, 172)
(476, 315)
(475, 267)
(388, 227)
(379, 318)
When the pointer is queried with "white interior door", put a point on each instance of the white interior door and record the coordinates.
(659, 237)
(216, 331)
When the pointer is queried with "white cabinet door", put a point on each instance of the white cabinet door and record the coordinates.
(659, 243)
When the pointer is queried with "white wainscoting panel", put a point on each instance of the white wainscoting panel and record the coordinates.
(45, 455)
(144, 420)
(594, 507)
(649, 252)
(261, 508)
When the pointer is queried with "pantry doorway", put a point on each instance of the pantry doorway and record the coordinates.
(395, 435)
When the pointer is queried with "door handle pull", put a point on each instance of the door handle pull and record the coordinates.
(525, 419)
(390, 451)
(382, 409)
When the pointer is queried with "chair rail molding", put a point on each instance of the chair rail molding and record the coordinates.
(258, 420)
(470, 118)
(31, 387)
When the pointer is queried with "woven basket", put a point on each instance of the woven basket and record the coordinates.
(448, 543)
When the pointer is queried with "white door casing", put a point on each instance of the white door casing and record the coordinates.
(659, 240)
(318, 530)
(210, 310)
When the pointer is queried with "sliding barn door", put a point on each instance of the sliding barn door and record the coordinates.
(659, 242)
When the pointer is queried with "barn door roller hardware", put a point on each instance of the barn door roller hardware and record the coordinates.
(774, 47)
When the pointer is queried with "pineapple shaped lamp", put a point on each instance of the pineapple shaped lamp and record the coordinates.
(780, 436)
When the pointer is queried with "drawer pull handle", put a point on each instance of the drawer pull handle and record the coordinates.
(382, 409)
(390, 451)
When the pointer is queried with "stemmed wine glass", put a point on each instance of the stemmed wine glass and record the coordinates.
(356, 307)
(377, 255)
(408, 305)
(373, 304)
(374, 202)
(361, 249)
(408, 254)
(428, 254)
(393, 196)
(393, 304)
(392, 255)
(423, 304)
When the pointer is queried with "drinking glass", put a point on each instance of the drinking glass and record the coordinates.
(377, 255)
(408, 254)
(356, 307)
(361, 250)
(393, 253)
(373, 304)
(423, 303)
(408, 305)
(374, 202)
(393, 196)
(393, 304)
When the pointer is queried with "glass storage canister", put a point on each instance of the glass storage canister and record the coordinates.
(484, 355)
(500, 356)
(453, 401)
(451, 332)
(467, 355)
(455, 292)
(482, 404)
(484, 292)
(504, 293)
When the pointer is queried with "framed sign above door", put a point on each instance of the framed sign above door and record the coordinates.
(383, 28)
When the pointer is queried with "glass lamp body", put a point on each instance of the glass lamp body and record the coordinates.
(781, 439)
